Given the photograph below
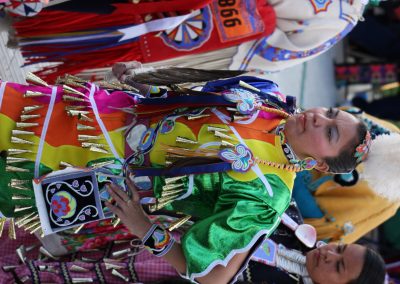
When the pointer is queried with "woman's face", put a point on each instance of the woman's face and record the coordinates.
(320, 132)
(335, 264)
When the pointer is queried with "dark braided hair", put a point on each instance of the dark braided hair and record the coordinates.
(373, 271)
(345, 162)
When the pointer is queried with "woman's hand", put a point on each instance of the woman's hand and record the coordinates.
(135, 219)
(122, 70)
(129, 209)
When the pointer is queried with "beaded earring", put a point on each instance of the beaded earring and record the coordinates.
(300, 165)
(307, 164)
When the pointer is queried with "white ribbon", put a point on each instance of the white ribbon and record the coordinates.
(44, 130)
(2, 89)
(155, 26)
(100, 122)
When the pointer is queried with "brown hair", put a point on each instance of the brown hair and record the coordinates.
(345, 162)
(373, 271)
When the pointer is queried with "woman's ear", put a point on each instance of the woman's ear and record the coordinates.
(322, 166)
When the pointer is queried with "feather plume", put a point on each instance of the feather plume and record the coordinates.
(381, 168)
(177, 75)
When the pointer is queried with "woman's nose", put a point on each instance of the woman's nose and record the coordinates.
(320, 119)
(332, 255)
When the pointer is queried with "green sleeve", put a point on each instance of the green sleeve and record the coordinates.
(243, 213)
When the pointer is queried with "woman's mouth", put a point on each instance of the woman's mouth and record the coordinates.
(317, 256)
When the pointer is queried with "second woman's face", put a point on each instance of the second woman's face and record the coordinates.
(335, 264)
(320, 132)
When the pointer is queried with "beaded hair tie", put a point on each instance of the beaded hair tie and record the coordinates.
(158, 241)
(362, 150)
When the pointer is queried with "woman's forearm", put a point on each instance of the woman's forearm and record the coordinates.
(131, 213)
(219, 274)
(176, 258)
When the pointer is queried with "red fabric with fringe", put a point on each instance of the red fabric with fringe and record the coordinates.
(155, 48)
(148, 48)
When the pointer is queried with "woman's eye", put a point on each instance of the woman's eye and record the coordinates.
(329, 133)
(330, 112)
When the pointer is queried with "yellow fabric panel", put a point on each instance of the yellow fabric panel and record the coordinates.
(356, 204)
(78, 156)
(157, 155)
(6, 125)
(268, 152)
(52, 156)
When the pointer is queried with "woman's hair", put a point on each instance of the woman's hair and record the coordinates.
(345, 162)
(373, 271)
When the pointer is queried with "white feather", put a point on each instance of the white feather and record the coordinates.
(382, 166)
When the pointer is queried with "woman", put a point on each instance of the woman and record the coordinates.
(233, 158)
(344, 207)
(328, 264)
(236, 207)
(361, 265)
(323, 264)
(341, 264)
